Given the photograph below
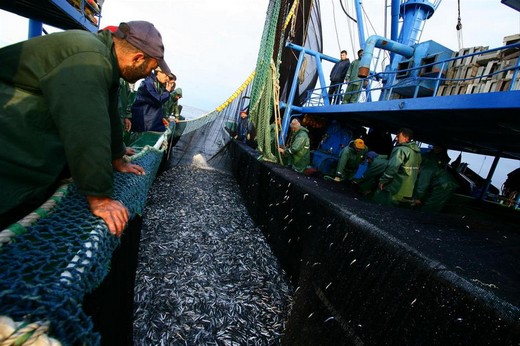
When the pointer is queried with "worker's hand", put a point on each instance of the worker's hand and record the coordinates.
(114, 213)
(248, 137)
(281, 150)
(165, 122)
(381, 185)
(129, 151)
(121, 165)
(128, 124)
(169, 86)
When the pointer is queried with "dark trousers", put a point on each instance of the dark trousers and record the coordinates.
(334, 89)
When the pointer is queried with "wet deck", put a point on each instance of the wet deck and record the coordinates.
(369, 274)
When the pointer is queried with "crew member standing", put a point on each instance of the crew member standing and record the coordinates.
(354, 83)
(337, 77)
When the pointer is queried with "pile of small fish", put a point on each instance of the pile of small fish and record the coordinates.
(206, 275)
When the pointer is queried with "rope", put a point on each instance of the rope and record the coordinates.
(301, 74)
(24, 334)
(290, 15)
(276, 111)
(45, 209)
(236, 93)
(261, 103)
(459, 28)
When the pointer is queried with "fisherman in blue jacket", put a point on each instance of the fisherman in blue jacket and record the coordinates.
(245, 129)
(148, 108)
(337, 77)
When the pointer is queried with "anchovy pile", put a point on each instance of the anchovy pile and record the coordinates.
(206, 275)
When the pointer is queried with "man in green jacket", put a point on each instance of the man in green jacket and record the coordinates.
(397, 182)
(354, 83)
(434, 185)
(59, 99)
(368, 182)
(298, 154)
(172, 107)
(349, 160)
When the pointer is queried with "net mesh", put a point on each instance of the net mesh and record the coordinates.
(52, 258)
(49, 266)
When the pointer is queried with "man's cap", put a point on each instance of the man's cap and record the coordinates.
(295, 123)
(359, 144)
(178, 91)
(371, 155)
(170, 75)
(144, 36)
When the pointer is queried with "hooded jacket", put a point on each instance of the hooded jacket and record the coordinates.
(434, 185)
(368, 182)
(402, 170)
(171, 107)
(245, 127)
(349, 161)
(147, 109)
(299, 151)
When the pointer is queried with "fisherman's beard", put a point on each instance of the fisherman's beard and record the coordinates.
(132, 74)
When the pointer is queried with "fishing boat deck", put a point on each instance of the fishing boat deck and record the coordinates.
(374, 266)
(471, 241)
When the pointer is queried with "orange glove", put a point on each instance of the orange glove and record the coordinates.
(165, 122)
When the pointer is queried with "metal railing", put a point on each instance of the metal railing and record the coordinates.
(489, 70)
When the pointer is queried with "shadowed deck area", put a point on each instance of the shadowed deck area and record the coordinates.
(369, 274)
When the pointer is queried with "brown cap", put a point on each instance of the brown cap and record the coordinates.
(144, 36)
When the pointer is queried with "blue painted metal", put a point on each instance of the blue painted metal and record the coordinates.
(56, 13)
(77, 15)
(289, 107)
(325, 157)
(376, 41)
(414, 14)
(410, 93)
(35, 28)
(360, 23)
(474, 103)
(394, 21)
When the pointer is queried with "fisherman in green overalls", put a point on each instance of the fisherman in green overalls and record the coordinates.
(397, 182)
(298, 154)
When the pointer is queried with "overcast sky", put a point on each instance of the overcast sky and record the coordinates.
(212, 46)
